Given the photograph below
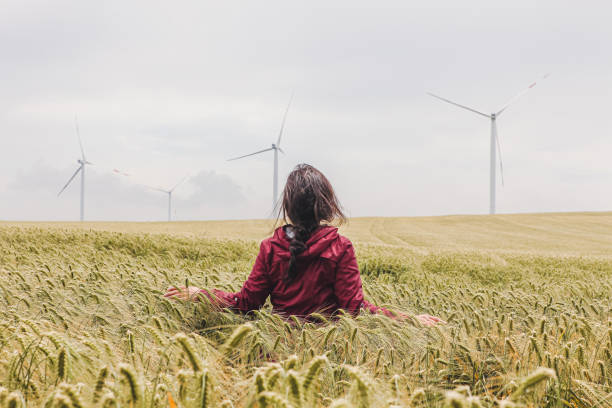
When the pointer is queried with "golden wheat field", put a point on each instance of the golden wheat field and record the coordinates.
(528, 300)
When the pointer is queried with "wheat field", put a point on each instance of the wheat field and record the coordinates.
(527, 298)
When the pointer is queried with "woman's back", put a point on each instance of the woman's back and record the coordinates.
(326, 278)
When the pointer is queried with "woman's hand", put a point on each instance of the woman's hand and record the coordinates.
(424, 319)
(183, 293)
(427, 320)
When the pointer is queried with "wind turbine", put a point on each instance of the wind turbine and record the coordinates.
(494, 139)
(82, 163)
(276, 148)
(169, 192)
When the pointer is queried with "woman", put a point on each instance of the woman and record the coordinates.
(306, 266)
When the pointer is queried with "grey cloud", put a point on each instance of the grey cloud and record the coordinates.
(212, 189)
(207, 195)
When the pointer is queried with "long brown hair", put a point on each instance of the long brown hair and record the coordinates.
(308, 200)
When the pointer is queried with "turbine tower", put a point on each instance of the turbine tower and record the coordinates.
(276, 148)
(82, 163)
(494, 139)
(169, 192)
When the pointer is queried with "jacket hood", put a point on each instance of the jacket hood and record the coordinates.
(321, 239)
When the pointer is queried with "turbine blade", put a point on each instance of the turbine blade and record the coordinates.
(251, 154)
(179, 183)
(76, 126)
(70, 180)
(156, 189)
(121, 173)
(459, 105)
(280, 133)
(281, 150)
(128, 175)
(499, 152)
(520, 94)
(153, 188)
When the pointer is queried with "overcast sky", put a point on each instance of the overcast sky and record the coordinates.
(168, 89)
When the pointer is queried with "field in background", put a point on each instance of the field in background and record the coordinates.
(83, 323)
(555, 233)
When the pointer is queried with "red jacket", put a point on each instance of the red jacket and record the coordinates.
(327, 278)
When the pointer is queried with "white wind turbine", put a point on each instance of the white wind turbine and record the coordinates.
(276, 148)
(169, 192)
(494, 139)
(82, 163)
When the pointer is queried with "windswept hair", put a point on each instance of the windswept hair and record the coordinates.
(308, 201)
